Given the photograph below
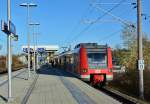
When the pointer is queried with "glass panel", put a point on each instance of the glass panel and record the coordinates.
(97, 60)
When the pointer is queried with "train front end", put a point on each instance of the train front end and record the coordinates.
(96, 63)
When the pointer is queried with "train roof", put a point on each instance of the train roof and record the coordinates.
(90, 45)
(65, 53)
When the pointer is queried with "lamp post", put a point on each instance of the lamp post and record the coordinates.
(34, 24)
(9, 52)
(10, 30)
(28, 5)
(37, 66)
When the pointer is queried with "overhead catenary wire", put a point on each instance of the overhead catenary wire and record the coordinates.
(110, 35)
(114, 33)
(113, 20)
(87, 27)
(79, 21)
(114, 16)
(112, 3)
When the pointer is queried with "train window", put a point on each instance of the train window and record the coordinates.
(97, 60)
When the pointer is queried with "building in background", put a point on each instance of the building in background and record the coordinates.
(44, 53)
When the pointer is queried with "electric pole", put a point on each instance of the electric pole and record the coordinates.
(140, 49)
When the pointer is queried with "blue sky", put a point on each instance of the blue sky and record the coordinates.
(62, 20)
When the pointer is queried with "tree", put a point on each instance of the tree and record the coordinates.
(129, 36)
(128, 55)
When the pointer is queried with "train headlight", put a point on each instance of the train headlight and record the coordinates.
(111, 70)
(84, 70)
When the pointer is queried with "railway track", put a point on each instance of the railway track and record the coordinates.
(13, 76)
(2, 73)
(123, 98)
(117, 96)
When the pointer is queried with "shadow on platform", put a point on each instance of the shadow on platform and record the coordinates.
(3, 98)
(54, 71)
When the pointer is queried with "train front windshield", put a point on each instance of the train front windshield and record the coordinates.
(97, 60)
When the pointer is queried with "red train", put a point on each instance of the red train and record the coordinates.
(88, 61)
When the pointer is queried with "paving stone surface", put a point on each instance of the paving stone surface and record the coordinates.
(56, 86)
(50, 90)
(53, 86)
(20, 86)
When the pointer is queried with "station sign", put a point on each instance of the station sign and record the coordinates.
(141, 64)
(11, 28)
(41, 49)
(15, 37)
(26, 50)
(4, 27)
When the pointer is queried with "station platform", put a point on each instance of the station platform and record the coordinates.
(20, 86)
(56, 86)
